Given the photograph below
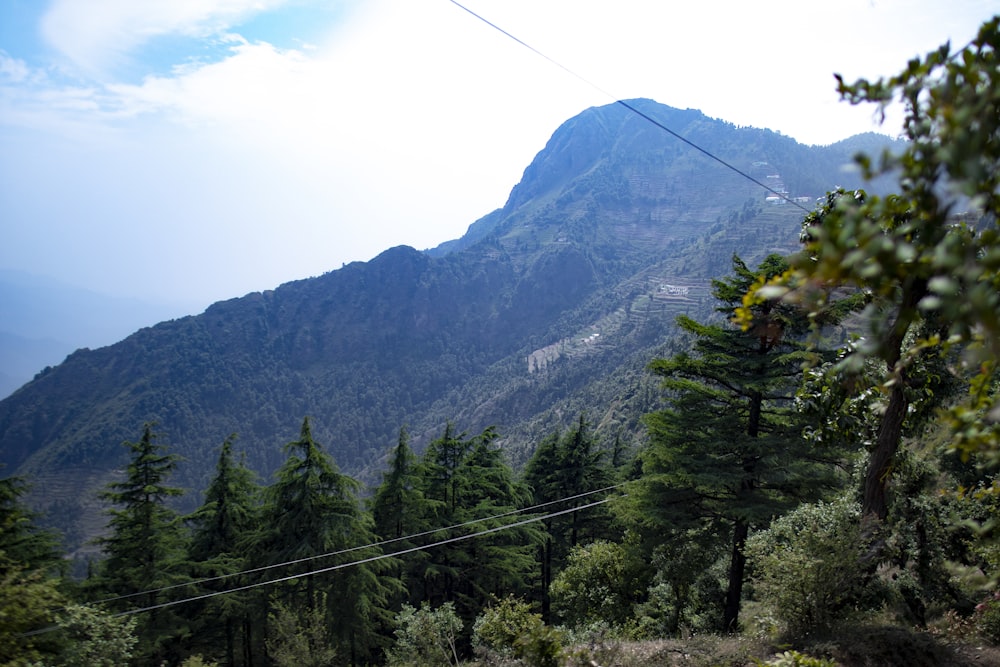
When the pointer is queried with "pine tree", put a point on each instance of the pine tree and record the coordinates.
(728, 451)
(581, 471)
(440, 482)
(501, 562)
(563, 468)
(146, 546)
(312, 509)
(399, 509)
(21, 540)
(29, 593)
(394, 502)
(469, 485)
(222, 532)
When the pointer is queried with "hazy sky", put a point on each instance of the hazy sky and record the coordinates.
(197, 150)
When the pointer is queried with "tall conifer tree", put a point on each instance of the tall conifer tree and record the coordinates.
(467, 480)
(29, 594)
(222, 534)
(21, 540)
(312, 509)
(146, 546)
(562, 468)
(728, 451)
(399, 509)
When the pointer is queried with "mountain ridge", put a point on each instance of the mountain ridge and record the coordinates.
(548, 306)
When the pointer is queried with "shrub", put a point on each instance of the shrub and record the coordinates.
(299, 639)
(987, 618)
(597, 584)
(542, 646)
(425, 636)
(97, 638)
(805, 566)
(509, 629)
(503, 624)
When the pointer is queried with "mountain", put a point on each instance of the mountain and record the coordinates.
(42, 321)
(547, 307)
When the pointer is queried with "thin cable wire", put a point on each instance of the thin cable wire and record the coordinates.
(631, 108)
(370, 559)
(341, 566)
(198, 582)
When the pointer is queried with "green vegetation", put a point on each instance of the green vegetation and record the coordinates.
(804, 495)
(145, 550)
(728, 454)
(426, 636)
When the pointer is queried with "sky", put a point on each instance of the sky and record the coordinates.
(189, 151)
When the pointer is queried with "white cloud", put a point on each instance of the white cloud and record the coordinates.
(12, 70)
(94, 34)
(402, 124)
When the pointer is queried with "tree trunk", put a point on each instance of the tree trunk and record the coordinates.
(875, 504)
(737, 568)
(247, 642)
(230, 641)
(546, 557)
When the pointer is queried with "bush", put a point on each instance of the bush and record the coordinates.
(509, 629)
(503, 624)
(198, 661)
(987, 619)
(97, 638)
(685, 593)
(597, 584)
(425, 637)
(299, 639)
(597, 643)
(542, 646)
(805, 566)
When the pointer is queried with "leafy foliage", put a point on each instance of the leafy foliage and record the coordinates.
(27, 599)
(987, 618)
(598, 584)
(299, 638)
(503, 624)
(426, 636)
(913, 253)
(796, 659)
(95, 638)
(805, 566)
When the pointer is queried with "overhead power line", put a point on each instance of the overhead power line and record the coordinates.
(341, 552)
(353, 563)
(630, 107)
(362, 561)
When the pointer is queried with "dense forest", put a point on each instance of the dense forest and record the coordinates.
(819, 478)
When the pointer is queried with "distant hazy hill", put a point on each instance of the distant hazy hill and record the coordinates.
(548, 306)
(42, 321)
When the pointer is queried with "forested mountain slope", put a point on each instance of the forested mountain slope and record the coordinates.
(547, 307)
